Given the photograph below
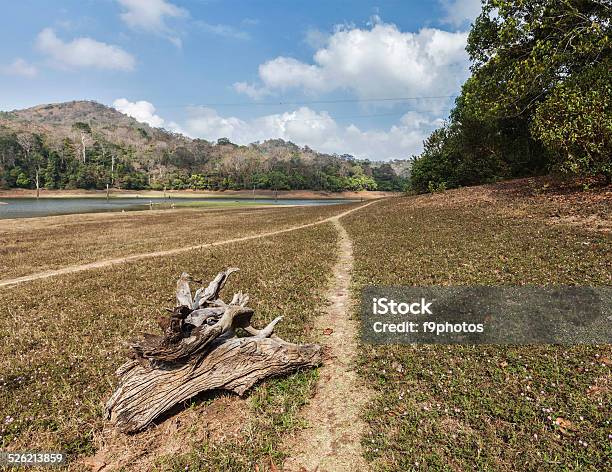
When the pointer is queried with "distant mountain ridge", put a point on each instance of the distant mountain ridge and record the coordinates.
(84, 144)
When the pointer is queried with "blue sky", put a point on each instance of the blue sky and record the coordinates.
(247, 70)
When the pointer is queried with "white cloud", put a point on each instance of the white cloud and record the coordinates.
(460, 12)
(223, 30)
(318, 130)
(83, 52)
(379, 61)
(141, 110)
(316, 38)
(250, 21)
(302, 126)
(21, 68)
(176, 128)
(250, 90)
(151, 15)
(284, 73)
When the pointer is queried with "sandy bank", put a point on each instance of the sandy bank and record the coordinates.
(285, 194)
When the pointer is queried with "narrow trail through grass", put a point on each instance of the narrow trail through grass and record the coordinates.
(50, 354)
(331, 442)
(137, 257)
(486, 407)
(61, 342)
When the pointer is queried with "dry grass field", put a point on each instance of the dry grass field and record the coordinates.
(62, 340)
(31, 245)
(487, 407)
(501, 408)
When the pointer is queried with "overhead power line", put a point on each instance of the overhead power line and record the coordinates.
(351, 117)
(310, 102)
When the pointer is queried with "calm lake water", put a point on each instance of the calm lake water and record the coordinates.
(31, 207)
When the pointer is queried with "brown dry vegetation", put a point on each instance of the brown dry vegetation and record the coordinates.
(583, 202)
(61, 342)
(162, 155)
(31, 245)
(487, 407)
(435, 407)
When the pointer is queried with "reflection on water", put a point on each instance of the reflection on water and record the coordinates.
(30, 207)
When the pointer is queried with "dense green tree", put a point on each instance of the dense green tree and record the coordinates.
(198, 182)
(275, 165)
(359, 181)
(538, 98)
(53, 170)
(22, 179)
(547, 62)
(278, 180)
(575, 122)
(133, 180)
(80, 126)
(436, 164)
(385, 178)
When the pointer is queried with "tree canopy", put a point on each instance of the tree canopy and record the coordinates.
(60, 165)
(538, 98)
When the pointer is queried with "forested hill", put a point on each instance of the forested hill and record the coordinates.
(84, 144)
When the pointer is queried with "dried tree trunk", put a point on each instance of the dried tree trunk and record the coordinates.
(200, 351)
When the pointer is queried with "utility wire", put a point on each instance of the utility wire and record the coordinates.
(351, 117)
(310, 102)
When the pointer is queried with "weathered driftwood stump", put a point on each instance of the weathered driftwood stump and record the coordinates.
(200, 351)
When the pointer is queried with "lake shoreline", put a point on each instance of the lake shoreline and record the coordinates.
(239, 194)
(30, 207)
